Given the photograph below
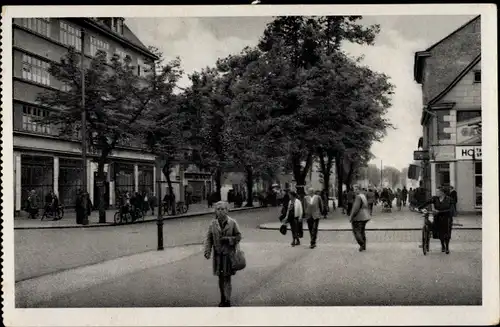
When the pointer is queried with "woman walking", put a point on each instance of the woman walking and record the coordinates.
(359, 216)
(222, 237)
(294, 217)
(443, 217)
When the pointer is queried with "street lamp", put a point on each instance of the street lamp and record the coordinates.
(159, 219)
(84, 132)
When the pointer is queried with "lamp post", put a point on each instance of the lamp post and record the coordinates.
(84, 132)
(159, 219)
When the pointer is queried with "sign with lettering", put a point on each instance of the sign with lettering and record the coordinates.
(468, 153)
(469, 131)
(421, 155)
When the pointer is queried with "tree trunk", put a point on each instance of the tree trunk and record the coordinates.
(350, 174)
(340, 178)
(249, 182)
(166, 172)
(218, 183)
(101, 188)
(300, 174)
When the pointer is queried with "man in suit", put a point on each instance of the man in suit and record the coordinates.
(313, 212)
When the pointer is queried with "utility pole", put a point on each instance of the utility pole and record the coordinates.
(84, 133)
(381, 174)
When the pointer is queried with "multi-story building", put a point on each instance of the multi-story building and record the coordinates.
(450, 74)
(43, 161)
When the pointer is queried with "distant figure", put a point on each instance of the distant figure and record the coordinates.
(404, 194)
(313, 210)
(350, 200)
(294, 216)
(454, 201)
(370, 197)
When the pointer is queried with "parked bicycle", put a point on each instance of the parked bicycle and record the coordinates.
(56, 214)
(180, 208)
(126, 215)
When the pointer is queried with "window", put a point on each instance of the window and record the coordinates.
(442, 174)
(477, 76)
(70, 35)
(122, 54)
(30, 114)
(96, 45)
(478, 181)
(65, 87)
(463, 115)
(140, 68)
(36, 70)
(119, 26)
(39, 25)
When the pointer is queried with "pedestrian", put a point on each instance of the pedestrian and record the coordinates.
(285, 203)
(411, 199)
(350, 200)
(443, 219)
(370, 197)
(404, 193)
(294, 217)
(359, 217)
(313, 210)
(222, 238)
(79, 207)
(399, 198)
(326, 202)
(344, 202)
(32, 205)
(454, 200)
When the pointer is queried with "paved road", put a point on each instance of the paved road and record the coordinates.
(39, 252)
(335, 274)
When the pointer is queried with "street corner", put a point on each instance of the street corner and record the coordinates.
(36, 291)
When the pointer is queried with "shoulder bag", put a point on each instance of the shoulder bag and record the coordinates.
(238, 260)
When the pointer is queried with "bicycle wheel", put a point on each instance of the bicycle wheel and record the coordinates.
(425, 240)
(117, 218)
(44, 215)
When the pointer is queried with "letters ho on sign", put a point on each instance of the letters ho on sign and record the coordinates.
(468, 153)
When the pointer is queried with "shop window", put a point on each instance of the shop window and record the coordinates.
(36, 70)
(442, 174)
(478, 182)
(463, 115)
(39, 25)
(37, 173)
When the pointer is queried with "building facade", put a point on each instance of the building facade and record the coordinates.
(42, 160)
(450, 75)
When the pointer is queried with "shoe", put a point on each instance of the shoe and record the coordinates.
(443, 249)
(447, 251)
(298, 242)
(221, 304)
(293, 243)
(362, 248)
(313, 246)
(228, 303)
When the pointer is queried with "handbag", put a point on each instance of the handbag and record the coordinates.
(283, 229)
(238, 260)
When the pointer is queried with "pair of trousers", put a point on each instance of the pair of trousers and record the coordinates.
(312, 225)
(370, 206)
(225, 288)
(349, 208)
(294, 226)
(358, 228)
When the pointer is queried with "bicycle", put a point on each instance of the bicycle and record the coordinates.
(426, 231)
(57, 214)
(121, 217)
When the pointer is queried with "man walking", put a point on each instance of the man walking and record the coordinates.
(313, 212)
(359, 217)
(370, 197)
(404, 194)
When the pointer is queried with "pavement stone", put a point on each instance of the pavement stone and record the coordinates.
(69, 220)
(276, 275)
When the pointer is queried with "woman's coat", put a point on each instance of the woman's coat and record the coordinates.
(213, 241)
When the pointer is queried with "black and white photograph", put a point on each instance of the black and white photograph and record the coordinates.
(253, 164)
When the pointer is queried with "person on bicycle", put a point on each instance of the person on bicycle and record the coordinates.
(49, 199)
(443, 218)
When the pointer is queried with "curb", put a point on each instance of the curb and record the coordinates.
(188, 215)
(373, 229)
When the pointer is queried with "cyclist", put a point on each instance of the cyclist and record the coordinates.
(443, 219)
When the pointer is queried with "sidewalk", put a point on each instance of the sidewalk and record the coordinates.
(395, 220)
(69, 220)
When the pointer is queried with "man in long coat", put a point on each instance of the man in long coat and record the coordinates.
(313, 211)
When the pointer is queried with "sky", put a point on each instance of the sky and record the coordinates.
(199, 42)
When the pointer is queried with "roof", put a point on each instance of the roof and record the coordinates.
(128, 37)
(457, 79)
(419, 55)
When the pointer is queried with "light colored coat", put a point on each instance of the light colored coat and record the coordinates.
(298, 211)
(360, 210)
(313, 207)
(213, 240)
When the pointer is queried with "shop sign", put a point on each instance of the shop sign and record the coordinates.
(469, 131)
(468, 153)
(421, 155)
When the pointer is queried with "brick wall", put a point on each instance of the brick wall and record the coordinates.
(449, 58)
(466, 94)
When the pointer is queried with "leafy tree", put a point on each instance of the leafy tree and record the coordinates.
(373, 174)
(392, 174)
(115, 100)
(163, 128)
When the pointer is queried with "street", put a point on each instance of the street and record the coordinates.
(393, 271)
